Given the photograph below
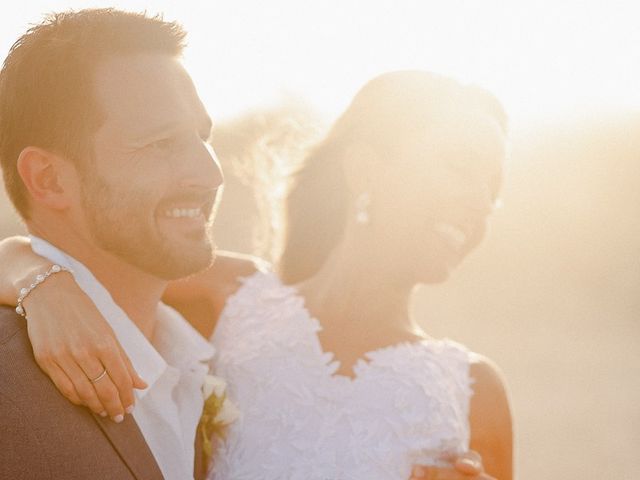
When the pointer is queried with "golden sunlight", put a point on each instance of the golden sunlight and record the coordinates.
(552, 293)
(536, 56)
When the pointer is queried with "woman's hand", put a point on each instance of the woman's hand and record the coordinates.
(72, 343)
(467, 466)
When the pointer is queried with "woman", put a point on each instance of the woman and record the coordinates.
(332, 375)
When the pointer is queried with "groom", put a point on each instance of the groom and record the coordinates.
(104, 155)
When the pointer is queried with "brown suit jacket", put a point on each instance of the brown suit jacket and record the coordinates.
(44, 436)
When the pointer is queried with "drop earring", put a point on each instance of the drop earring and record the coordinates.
(363, 202)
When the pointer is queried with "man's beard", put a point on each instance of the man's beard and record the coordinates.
(124, 224)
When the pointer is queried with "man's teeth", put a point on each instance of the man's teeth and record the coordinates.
(183, 212)
(453, 234)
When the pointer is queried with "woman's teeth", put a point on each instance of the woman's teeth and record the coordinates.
(183, 212)
(452, 234)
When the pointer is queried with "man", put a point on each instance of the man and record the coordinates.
(104, 154)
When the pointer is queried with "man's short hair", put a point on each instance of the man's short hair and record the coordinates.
(46, 82)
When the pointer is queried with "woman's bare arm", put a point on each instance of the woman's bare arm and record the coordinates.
(71, 341)
(19, 266)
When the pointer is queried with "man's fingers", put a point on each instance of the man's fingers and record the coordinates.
(470, 463)
(421, 472)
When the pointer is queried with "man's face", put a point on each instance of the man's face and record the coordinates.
(149, 192)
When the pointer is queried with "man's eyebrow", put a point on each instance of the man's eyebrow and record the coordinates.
(162, 130)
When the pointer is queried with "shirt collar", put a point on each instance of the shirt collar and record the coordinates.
(178, 342)
(176, 339)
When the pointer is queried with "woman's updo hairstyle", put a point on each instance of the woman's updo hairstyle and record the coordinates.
(381, 114)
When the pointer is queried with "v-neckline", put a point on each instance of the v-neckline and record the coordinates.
(326, 357)
(364, 360)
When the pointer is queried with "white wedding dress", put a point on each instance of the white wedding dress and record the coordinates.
(406, 403)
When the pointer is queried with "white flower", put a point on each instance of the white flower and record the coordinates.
(217, 387)
(228, 413)
(213, 385)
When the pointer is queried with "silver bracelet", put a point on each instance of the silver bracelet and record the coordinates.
(24, 292)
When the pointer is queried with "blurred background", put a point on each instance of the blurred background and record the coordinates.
(553, 295)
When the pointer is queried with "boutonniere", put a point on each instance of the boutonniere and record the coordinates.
(218, 412)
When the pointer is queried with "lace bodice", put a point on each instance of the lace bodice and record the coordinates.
(405, 404)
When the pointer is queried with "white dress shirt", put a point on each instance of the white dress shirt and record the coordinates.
(174, 365)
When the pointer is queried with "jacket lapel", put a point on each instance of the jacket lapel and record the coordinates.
(128, 441)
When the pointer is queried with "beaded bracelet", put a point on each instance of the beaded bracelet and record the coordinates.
(24, 292)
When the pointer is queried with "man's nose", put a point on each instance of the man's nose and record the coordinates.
(201, 168)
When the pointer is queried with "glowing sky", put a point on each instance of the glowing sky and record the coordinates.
(537, 56)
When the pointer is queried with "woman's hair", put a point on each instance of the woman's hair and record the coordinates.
(381, 114)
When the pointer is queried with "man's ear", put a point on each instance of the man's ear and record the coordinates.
(45, 177)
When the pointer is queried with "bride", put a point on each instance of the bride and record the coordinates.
(333, 377)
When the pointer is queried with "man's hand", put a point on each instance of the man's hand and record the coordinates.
(467, 466)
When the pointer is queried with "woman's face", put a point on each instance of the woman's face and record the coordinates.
(433, 195)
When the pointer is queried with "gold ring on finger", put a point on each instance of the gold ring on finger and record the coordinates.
(99, 377)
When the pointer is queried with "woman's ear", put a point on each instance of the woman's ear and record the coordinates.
(360, 165)
(44, 174)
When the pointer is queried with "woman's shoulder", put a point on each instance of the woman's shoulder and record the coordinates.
(489, 386)
(479, 376)
(482, 370)
(229, 273)
(230, 268)
(486, 374)
(202, 297)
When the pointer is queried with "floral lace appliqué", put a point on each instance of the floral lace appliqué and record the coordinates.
(407, 403)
